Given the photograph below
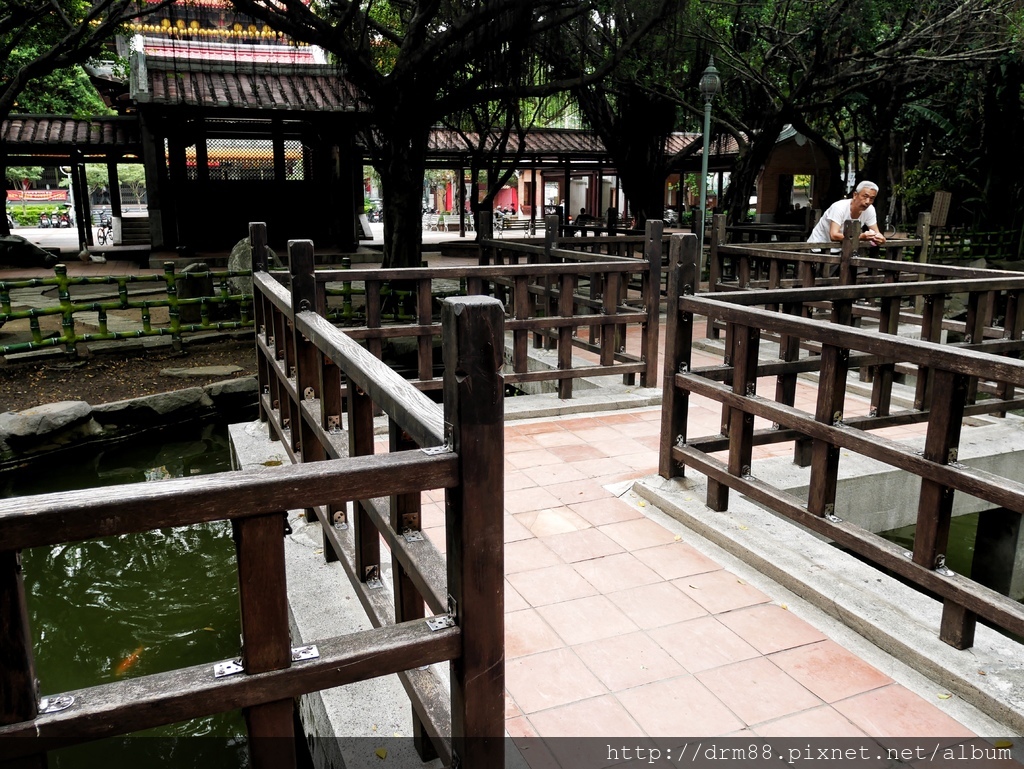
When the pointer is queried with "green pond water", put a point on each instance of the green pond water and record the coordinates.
(114, 608)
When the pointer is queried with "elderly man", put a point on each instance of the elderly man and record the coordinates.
(859, 207)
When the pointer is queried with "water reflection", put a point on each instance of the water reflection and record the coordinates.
(131, 605)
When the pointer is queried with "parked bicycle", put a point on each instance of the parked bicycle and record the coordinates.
(105, 232)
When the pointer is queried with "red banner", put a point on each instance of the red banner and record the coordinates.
(37, 195)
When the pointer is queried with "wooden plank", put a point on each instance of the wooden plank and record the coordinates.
(126, 706)
(473, 403)
(44, 519)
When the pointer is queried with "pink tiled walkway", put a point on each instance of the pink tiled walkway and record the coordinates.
(615, 626)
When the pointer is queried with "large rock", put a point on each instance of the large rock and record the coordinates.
(46, 428)
(45, 419)
(159, 409)
(240, 259)
(187, 372)
(231, 394)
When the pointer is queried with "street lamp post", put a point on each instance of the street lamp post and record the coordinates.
(710, 83)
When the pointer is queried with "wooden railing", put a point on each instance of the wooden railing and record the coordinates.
(948, 380)
(446, 608)
(194, 301)
(555, 299)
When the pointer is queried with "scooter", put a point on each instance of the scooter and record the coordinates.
(44, 221)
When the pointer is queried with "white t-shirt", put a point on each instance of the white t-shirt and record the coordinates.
(839, 212)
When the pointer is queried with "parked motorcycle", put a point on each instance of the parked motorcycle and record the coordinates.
(63, 220)
(44, 221)
(10, 221)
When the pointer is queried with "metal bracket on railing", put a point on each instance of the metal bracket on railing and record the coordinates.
(309, 652)
(309, 394)
(413, 535)
(940, 566)
(684, 368)
(449, 442)
(837, 419)
(830, 513)
(227, 668)
(441, 621)
(333, 424)
(340, 519)
(55, 704)
(373, 577)
(953, 454)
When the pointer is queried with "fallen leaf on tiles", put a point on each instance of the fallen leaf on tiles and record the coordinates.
(641, 503)
(319, 551)
(1003, 744)
(382, 753)
(695, 587)
(741, 582)
(982, 673)
(784, 606)
(678, 538)
(945, 696)
(744, 528)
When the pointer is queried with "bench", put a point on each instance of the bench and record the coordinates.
(504, 223)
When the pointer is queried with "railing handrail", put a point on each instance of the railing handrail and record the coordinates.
(42, 519)
(917, 351)
(869, 290)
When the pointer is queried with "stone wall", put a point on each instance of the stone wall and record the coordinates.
(37, 433)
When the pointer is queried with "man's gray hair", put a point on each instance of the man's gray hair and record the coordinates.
(866, 186)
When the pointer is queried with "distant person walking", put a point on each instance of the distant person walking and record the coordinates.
(859, 207)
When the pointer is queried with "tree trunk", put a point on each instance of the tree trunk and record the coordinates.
(748, 166)
(402, 165)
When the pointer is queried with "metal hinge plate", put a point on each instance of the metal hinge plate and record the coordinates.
(55, 704)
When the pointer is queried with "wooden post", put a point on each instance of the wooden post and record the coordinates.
(263, 327)
(266, 642)
(924, 232)
(851, 243)
(566, 290)
(307, 357)
(881, 386)
(714, 265)
(18, 691)
(745, 343)
(473, 405)
(360, 443)
(425, 342)
(682, 280)
(652, 303)
(821, 496)
(935, 504)
(931, 331)
(406, 518)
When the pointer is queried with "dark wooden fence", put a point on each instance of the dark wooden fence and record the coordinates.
(555, 299)
(447, 607)
(814, 333)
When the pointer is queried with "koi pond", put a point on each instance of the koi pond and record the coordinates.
(114, 608)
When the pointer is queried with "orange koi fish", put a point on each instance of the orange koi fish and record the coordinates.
(124, 665)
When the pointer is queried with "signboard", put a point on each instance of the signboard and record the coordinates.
(37, 196)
